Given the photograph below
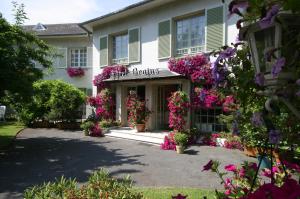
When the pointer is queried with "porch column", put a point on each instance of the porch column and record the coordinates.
(149, 96)
(186, 87)
(120, 105)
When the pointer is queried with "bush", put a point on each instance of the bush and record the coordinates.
(87, 126)
(181, 139)
(100, 185)
(108, 123)
(53, 100)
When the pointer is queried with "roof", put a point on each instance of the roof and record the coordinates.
(143, 74)
(125, 12)
(68, 29)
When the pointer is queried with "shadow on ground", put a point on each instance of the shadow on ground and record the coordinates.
(39, 159)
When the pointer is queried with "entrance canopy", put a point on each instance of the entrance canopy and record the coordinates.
(143, 74)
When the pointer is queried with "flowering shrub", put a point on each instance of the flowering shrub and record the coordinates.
(206, 98)
(96, 131)
(104, 105)
(92, 128)
(195, 67)
(75, 72)
(138, 113)
(107, 73)
(239, 186)
(178, 106)
(169, 142)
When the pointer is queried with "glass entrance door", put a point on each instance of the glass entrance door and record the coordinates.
(162, 117)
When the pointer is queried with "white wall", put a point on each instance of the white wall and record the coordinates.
(61, 73)
(148, 22)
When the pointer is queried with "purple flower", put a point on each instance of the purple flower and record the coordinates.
(260, 79)
(257, 119)
(298, 82)
(179, 196)
(277, 67)
(270, 16)
(227, 53)
(274, 136)
(234, 7)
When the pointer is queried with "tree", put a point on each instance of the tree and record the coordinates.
(19, 51)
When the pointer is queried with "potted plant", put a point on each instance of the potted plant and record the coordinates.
(142, 115)
(138, 113)
(181, 141)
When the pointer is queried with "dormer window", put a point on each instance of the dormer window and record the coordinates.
(39, 27)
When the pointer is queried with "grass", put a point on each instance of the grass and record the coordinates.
(8, 131)
(167, 193)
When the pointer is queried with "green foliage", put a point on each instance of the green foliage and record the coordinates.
(181, 139)
(86, 126)
(53, 100)
(100, 185)
(19, 13)
(19, 50)
(108, 123)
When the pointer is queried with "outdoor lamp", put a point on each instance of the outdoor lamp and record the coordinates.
(270, 43)
(275, 55)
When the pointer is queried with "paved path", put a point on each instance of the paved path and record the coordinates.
(42, 155)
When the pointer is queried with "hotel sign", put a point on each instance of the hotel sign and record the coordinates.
(134, 73)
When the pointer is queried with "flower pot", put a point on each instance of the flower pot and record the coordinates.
(140, 127)
(221, 141)
(250, 151)
(179, 149)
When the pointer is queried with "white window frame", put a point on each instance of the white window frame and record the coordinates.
(122, 60)
(79, 56)
(191, 49)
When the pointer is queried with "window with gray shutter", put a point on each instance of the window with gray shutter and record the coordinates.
(103, 51)
(61, 60)
(134, 45)
(164, 39)
(215, 28)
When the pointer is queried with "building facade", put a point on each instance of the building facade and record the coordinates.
(143, 37)
(75, 49)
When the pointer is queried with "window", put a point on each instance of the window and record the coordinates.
(190, 35)
(206, 121)
(78, 57)
(120, 49)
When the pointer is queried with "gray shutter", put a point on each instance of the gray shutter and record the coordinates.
(89, 52)
(103, 51)
(61, 61)
(215, 28)
(164, 39)
(134, 45)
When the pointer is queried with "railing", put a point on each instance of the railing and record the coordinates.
(120, 61)
(191, 50)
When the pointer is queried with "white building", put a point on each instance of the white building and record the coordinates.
(144, 36)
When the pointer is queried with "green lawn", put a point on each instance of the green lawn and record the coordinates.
(8, 131)
(166, 193)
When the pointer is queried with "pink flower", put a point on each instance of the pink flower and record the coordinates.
(230, 167)
(242, 172)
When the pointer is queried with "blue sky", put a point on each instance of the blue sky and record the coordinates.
(63, 11)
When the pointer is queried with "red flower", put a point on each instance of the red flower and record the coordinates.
(208, 166)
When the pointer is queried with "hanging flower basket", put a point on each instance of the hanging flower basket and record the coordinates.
(75, 72)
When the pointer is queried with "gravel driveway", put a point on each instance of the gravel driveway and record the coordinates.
(45, 154)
